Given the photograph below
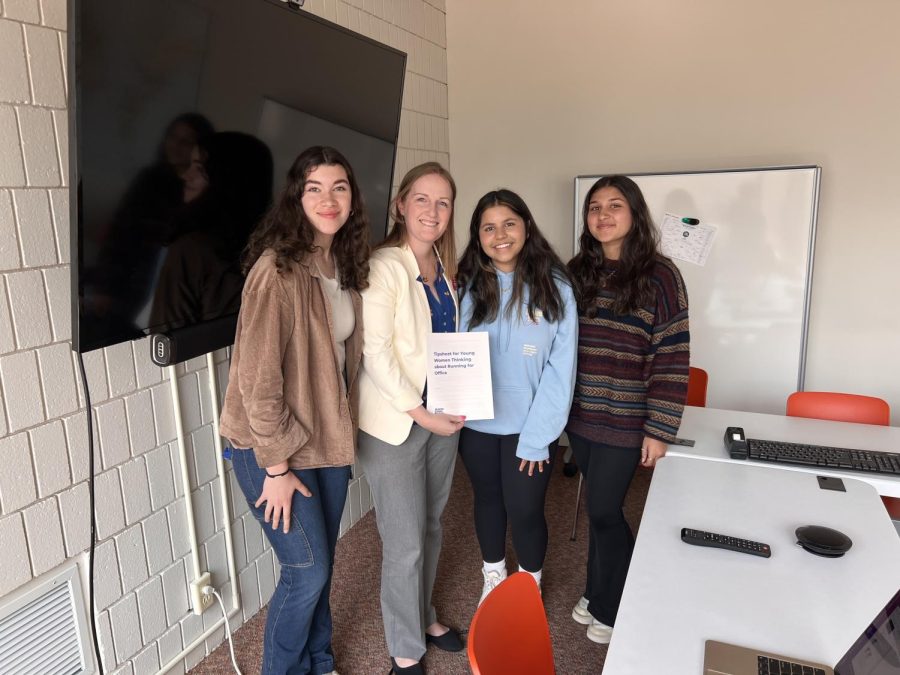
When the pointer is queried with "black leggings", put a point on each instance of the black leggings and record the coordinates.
(501, 490)
(607, 474)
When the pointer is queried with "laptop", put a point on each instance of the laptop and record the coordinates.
(875, 652)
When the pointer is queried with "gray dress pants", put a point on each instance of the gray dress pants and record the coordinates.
(410, 484)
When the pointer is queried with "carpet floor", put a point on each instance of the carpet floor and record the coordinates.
(358, 634)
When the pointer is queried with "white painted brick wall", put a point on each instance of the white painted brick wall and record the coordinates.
(108, 587)
(57, 282)
(113, 430)
(59, 203)
(51, 462)
(204, 516)
(141, 427)
(21, 390)
(156, 541)
(170, 644)
(132, 557)
(31, 321)
(45, 67)
(151, 610)
(162, 481)
(44, 532)
(16, 483)
(177, 512)
(147, 661)
(76, 440)
(136, 490)
(203, 455)
(109, 506)
(104, 636)
(175, 591)
(14, 86)
(120, 367)
(74, 507)
(126, 628)
(142, 568)
(53, 13)
(57, 378)
(12, 168)
(15, 568)
(35, 227)
(26, 11)
(7, 341)
(9, 251)
(212, 559)
(41, 158)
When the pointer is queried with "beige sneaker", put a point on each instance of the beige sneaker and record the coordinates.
(492, 579)
(581, 614)
(599, 632)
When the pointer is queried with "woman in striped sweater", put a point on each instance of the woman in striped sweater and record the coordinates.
(631, 382)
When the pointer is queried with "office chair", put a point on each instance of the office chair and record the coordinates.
(509, 632)
(697, 381)
(828, 405)
(696, 396)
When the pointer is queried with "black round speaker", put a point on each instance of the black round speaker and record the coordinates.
(823, 541)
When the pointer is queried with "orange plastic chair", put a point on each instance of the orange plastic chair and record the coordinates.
(827, 405)
(509, 632)
(696, 393)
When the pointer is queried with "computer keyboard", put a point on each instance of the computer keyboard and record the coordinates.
(820, 455)
(770, 666)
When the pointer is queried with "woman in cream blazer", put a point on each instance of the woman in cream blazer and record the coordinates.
(407, 453)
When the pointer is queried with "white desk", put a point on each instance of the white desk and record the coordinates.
(677, 596)
(706, 426)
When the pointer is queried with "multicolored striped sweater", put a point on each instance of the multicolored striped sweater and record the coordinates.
(632, 369)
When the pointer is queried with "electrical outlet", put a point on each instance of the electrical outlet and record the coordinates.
(200, 602)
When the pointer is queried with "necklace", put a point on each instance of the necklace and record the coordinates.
(425, 277)
(604, 280)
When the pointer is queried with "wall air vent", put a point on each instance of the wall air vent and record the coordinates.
(43, 629)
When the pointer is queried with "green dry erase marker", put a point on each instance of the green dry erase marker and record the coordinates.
(690, 221)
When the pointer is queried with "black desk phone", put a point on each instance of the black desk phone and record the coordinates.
(736, 442)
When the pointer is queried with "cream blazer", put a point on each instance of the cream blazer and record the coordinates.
(396, 325)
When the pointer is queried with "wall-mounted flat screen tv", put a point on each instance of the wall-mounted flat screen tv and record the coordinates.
(186, 116)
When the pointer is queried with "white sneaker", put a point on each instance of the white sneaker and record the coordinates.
(599, 632)
(492, 579)
(581, 614)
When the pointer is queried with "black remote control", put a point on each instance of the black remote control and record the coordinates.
(701, 538)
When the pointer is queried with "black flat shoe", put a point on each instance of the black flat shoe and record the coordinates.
(449, 641)
(414, 669)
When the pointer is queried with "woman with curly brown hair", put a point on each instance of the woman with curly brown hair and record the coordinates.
(631, 381)
(291, 408)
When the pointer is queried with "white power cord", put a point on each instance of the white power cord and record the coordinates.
(209, 590)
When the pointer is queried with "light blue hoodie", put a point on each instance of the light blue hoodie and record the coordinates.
(532, 370)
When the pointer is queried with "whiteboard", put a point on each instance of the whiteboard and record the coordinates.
(749, 304)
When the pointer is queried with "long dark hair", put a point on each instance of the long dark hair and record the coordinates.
(446, 244)
(286, 229)
(632, 282)
(537, 267)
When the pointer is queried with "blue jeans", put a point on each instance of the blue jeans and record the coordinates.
(298, 626)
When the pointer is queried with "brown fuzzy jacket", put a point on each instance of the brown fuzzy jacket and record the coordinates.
(286, 398)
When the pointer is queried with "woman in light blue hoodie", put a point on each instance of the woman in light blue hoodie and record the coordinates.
(513, 286)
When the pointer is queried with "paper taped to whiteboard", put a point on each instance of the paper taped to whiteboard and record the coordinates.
(683, 241)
